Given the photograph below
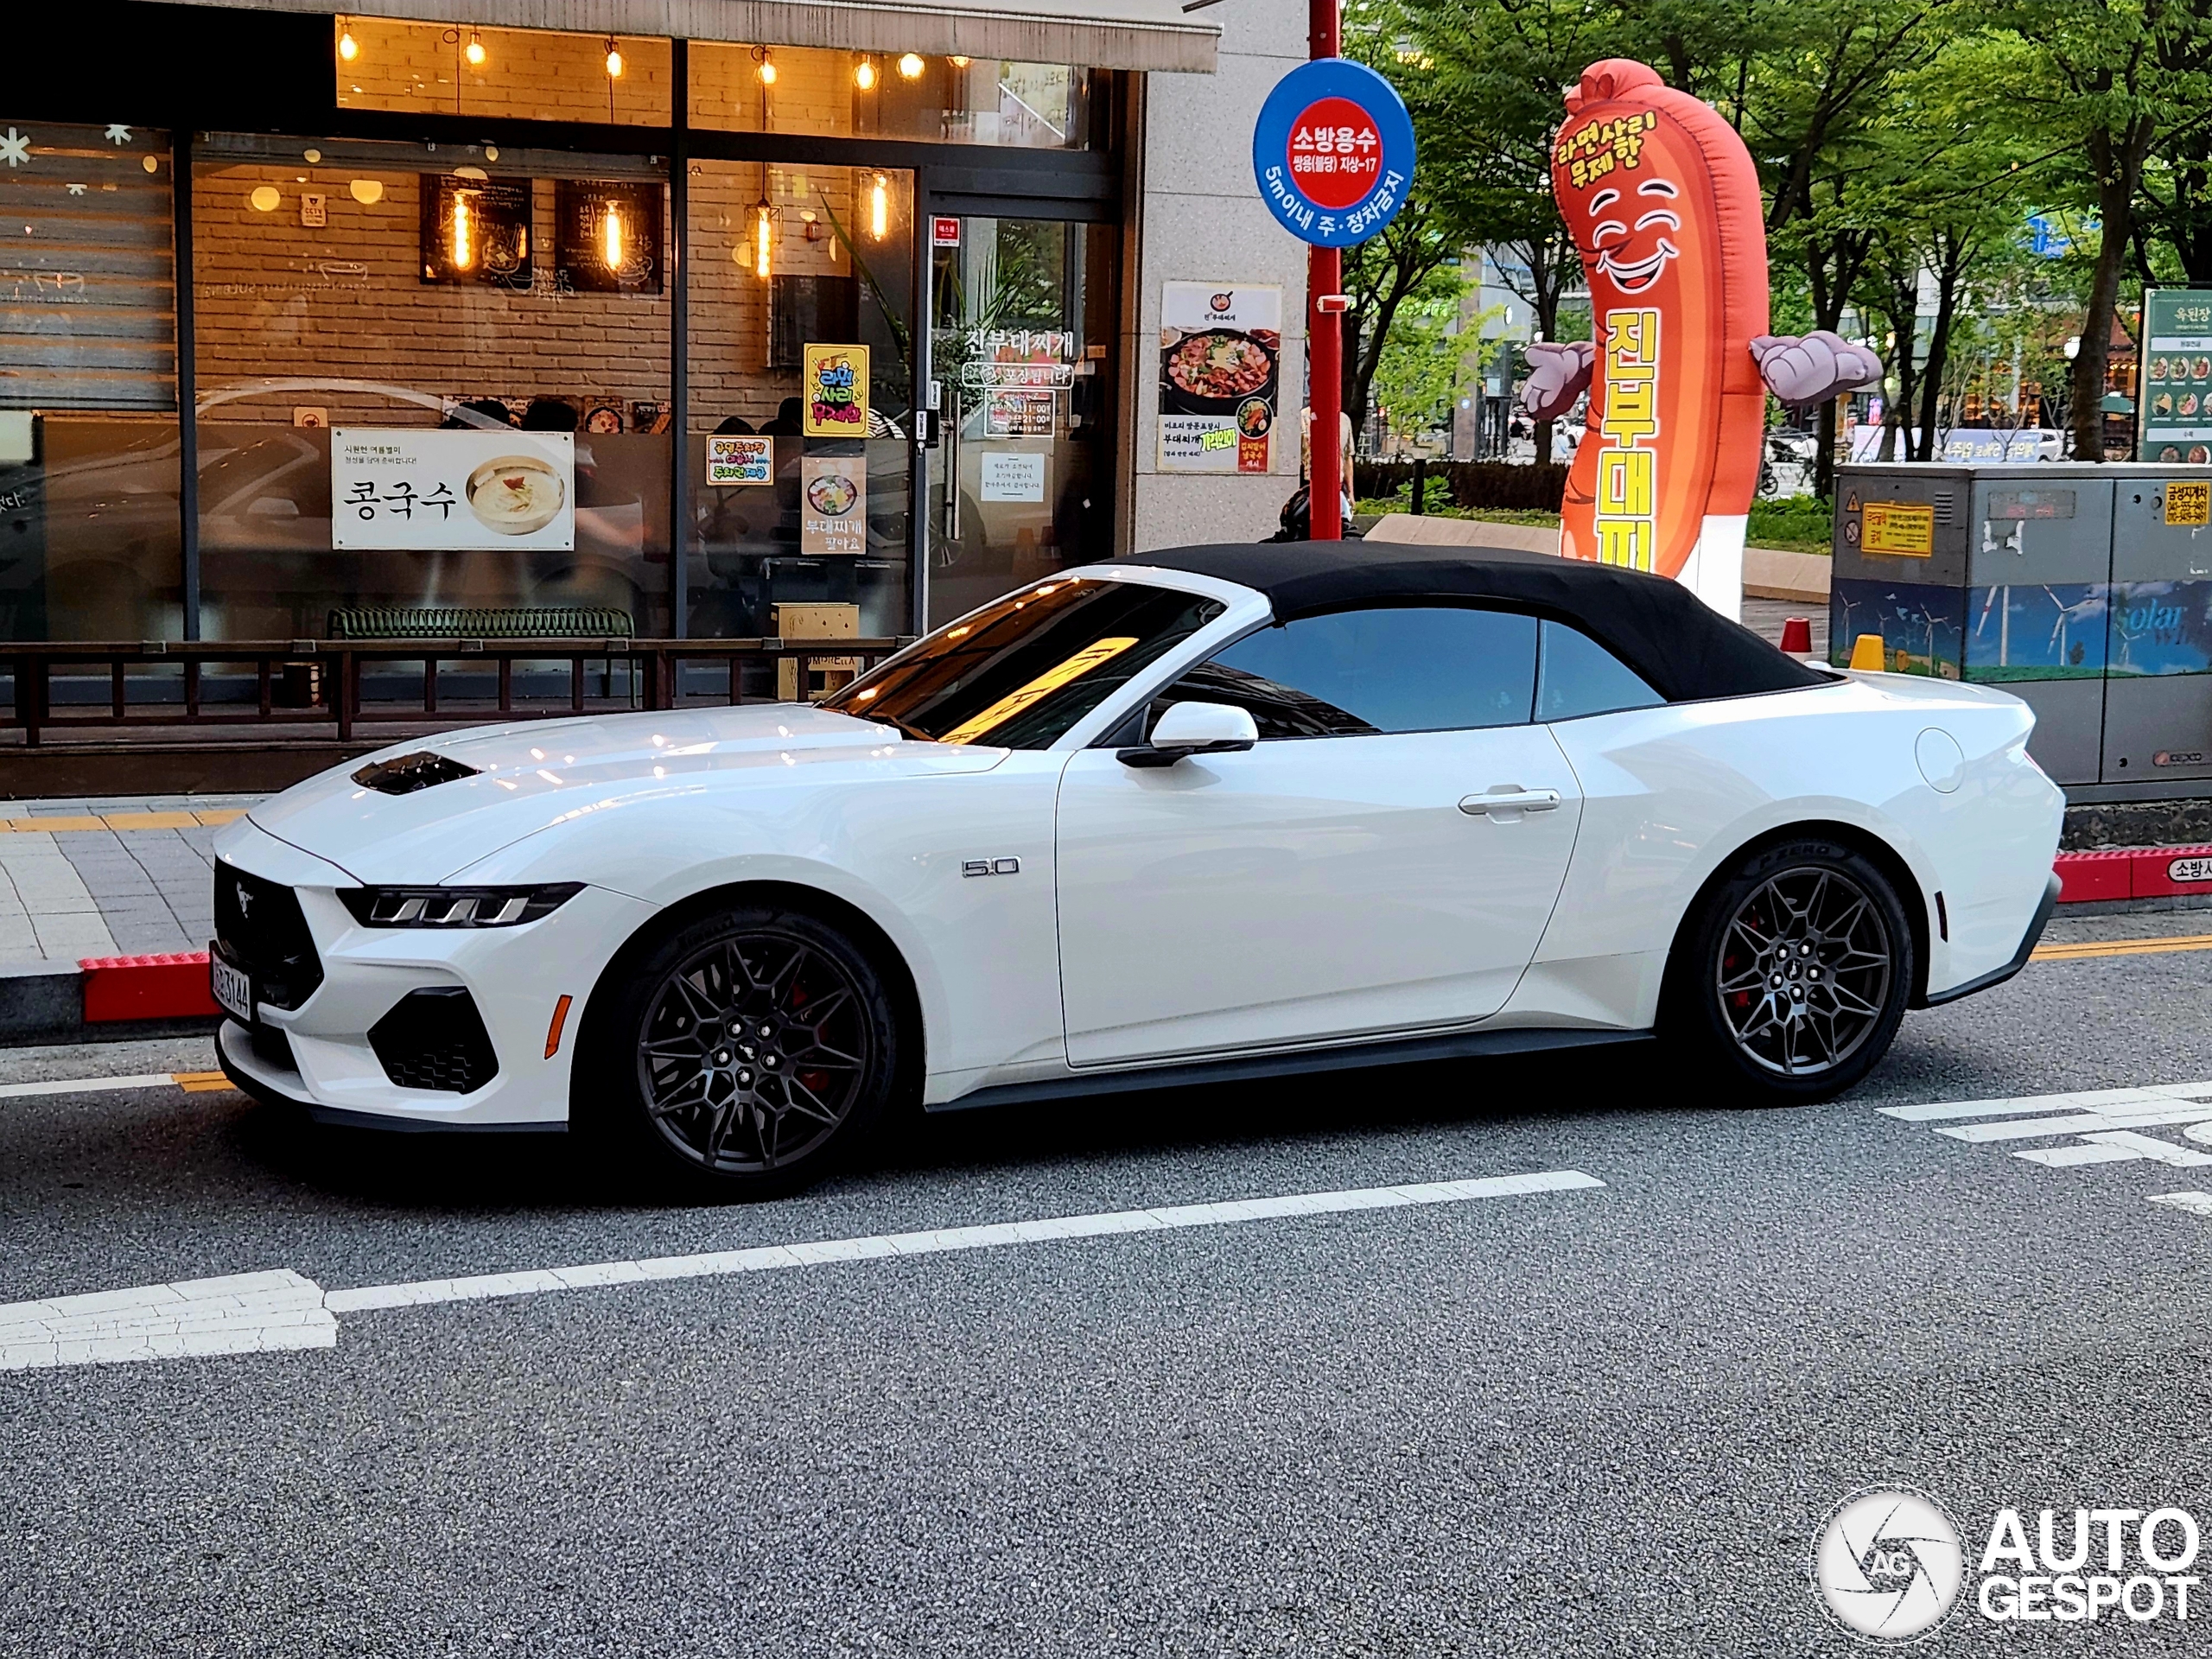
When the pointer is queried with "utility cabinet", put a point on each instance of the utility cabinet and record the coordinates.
(2084, 589)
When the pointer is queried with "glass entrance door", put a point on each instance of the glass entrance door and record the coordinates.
(1021, 481)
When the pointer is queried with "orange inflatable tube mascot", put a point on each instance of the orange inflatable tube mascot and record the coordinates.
(1663, 205)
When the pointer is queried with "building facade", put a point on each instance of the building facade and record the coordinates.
(684, 311)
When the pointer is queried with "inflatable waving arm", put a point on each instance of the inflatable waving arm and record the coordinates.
(1558, 374)
(1804, 371)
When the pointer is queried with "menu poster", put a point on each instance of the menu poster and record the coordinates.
(607, 235)
(833, 506)
(833, 391)
(416, 488)
(475, 230)
(2175, 409)
(1019, 414)
(740, 461)
(1220, 379)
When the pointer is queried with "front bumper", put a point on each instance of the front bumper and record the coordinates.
(516, 977)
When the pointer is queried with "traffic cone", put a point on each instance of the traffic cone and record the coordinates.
(1867, 654)
(1797, 636)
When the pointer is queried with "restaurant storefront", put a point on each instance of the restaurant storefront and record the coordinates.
(477, 317)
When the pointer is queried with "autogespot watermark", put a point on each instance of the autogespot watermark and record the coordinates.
(1889, 1564)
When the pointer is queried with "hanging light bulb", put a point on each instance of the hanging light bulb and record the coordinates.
(864, 74)
(475, 53)
(763, 215)
(611, 238)
(463, 245)
(614, 60)
(959, 62)
(767, 70)
(910, 67)
(348, 48)
(879, 207)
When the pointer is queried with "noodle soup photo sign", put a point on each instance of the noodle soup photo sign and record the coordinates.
(405, 488)
(1220, 377)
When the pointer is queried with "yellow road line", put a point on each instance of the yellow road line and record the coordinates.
(60, 824)
(2121, 948)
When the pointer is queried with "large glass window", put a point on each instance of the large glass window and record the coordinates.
(90, 543)
(1363, 673)
(366, 287)
(513, 75)
(792, 263)
(1022, 483)
(819, 90)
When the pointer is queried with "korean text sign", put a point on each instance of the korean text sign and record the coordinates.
(437, 489)
(833, 391)
(1220, 377)
(1663, 204)
(1333, 152)
(2175, 411)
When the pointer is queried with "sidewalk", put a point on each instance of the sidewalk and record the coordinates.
(105, 878)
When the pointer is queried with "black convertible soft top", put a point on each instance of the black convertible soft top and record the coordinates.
(1683, 649)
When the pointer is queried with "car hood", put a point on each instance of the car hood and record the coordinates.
(531, 775)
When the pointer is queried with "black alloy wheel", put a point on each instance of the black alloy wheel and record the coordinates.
(752, 1049)
(1797, 971)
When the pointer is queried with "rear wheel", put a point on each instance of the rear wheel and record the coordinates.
(749, 1052)
(1795, 975)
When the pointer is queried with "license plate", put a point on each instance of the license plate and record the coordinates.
(234, 987)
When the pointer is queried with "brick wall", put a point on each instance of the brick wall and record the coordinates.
(347, 301)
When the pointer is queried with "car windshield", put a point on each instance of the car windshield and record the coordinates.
(1021, 671)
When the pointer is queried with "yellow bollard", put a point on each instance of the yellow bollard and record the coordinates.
(1867, 654)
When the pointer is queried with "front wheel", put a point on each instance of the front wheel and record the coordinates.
(1795, 975)
(747, 1052)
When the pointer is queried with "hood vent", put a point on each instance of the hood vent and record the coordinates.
(406, 774)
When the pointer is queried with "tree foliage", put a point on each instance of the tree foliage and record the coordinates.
(1901, 151)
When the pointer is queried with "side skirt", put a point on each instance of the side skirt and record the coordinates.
(1410, 1051)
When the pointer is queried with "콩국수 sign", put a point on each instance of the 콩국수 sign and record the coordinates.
(436, 489)
(1333, 151)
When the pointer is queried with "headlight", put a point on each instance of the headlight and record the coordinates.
(455, 907)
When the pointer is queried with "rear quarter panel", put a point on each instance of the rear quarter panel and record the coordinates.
(1672, 794)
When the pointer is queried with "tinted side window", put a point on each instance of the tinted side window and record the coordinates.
(1580, 676)
(1358, 673)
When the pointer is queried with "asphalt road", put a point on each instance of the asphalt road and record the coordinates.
(1606, 1420)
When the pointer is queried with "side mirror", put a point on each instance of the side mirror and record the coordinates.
(1194, 728)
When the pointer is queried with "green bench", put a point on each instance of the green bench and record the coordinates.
(393, 622)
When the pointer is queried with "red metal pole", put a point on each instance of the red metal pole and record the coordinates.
(1324, 342)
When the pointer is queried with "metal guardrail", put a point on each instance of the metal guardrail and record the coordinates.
(326, 685)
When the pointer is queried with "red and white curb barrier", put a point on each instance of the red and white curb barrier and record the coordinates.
(2134, 873)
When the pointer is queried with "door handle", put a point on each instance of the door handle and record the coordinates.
(1511, 800)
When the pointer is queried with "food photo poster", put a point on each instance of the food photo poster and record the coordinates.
(1220, 377)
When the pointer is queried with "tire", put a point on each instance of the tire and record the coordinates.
(745, 1054)
(1794, 974)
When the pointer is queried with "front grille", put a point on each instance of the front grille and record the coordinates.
(436, 1039)
(259, 926)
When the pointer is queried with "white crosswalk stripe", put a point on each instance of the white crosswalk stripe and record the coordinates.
(2102, 1125)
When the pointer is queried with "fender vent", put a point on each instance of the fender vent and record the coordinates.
(434, 1039)
(406, 774)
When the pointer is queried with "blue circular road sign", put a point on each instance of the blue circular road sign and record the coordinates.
(1333, 152)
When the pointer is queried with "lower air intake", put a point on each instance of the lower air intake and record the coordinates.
(436, 1039)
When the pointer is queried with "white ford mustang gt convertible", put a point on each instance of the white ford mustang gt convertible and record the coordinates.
(1225, 813)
